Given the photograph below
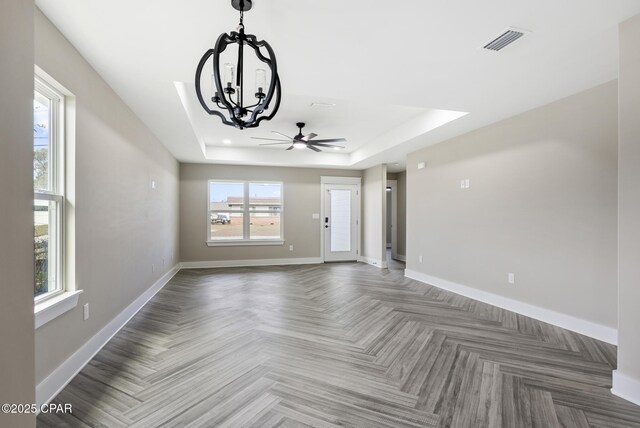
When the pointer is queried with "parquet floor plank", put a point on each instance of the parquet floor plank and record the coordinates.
(338, 345)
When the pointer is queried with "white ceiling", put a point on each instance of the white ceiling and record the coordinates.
(401, 77)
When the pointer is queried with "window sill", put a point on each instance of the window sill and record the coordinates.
(52, 308)
(245, 243)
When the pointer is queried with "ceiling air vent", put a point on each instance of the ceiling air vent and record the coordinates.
(503, 40)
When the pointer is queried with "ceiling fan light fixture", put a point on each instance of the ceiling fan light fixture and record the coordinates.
(302, 141)
(228, 83)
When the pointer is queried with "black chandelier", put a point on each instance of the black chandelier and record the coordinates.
(228, 101)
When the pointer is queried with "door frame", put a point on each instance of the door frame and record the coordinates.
(330, 180)
(394, 217)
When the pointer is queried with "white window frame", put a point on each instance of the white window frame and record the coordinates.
(56, 184)
(246, 211)
(50, 305)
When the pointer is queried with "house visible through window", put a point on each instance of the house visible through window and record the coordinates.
(48, 183)
(244, 211)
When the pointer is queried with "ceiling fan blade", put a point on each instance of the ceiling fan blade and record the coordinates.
(315, 149)
(327, 145)
(273, 144)
(290, 148)
(281, 134)
(331, 140)
(268, 139)
(309, 137)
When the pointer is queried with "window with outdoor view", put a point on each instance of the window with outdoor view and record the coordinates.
(48, 181)
(243, 211)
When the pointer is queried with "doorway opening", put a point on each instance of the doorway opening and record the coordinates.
(392, 218)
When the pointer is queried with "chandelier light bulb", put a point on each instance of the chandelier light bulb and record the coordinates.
(261, 82)
(229, 74)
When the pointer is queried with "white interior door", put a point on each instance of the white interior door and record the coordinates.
(340, 222)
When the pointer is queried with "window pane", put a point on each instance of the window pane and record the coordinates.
(264, 226)
(46, 246)
(226, 196)
(340, 220)
(226, 226)
(265, 197)
(41, 143)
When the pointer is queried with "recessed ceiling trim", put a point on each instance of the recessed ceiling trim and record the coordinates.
(505, 38)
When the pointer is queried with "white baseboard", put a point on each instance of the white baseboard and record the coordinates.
(626, 387)
(61, 376)
(373, 262)
(588, 328)
(254, 262)
(401, 257)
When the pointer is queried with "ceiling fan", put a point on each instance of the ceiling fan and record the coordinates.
(303, 141)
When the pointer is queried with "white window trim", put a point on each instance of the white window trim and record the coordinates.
(54, 306)
(246, 218)
(56, 177)
(51, 305)
(245, 243)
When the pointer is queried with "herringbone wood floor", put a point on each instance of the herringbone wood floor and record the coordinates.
(338, 345)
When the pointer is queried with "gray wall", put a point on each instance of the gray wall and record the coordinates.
(402, 214)
(374, 213)
(629, 203)
(122, 227)
(17, 383)
(542, 204)
(301, 200)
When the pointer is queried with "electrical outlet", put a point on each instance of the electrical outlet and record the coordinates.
(290, 247)
(164, 263)
(511, 278)
(153, 268)
(85, 309)
(420, 258)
